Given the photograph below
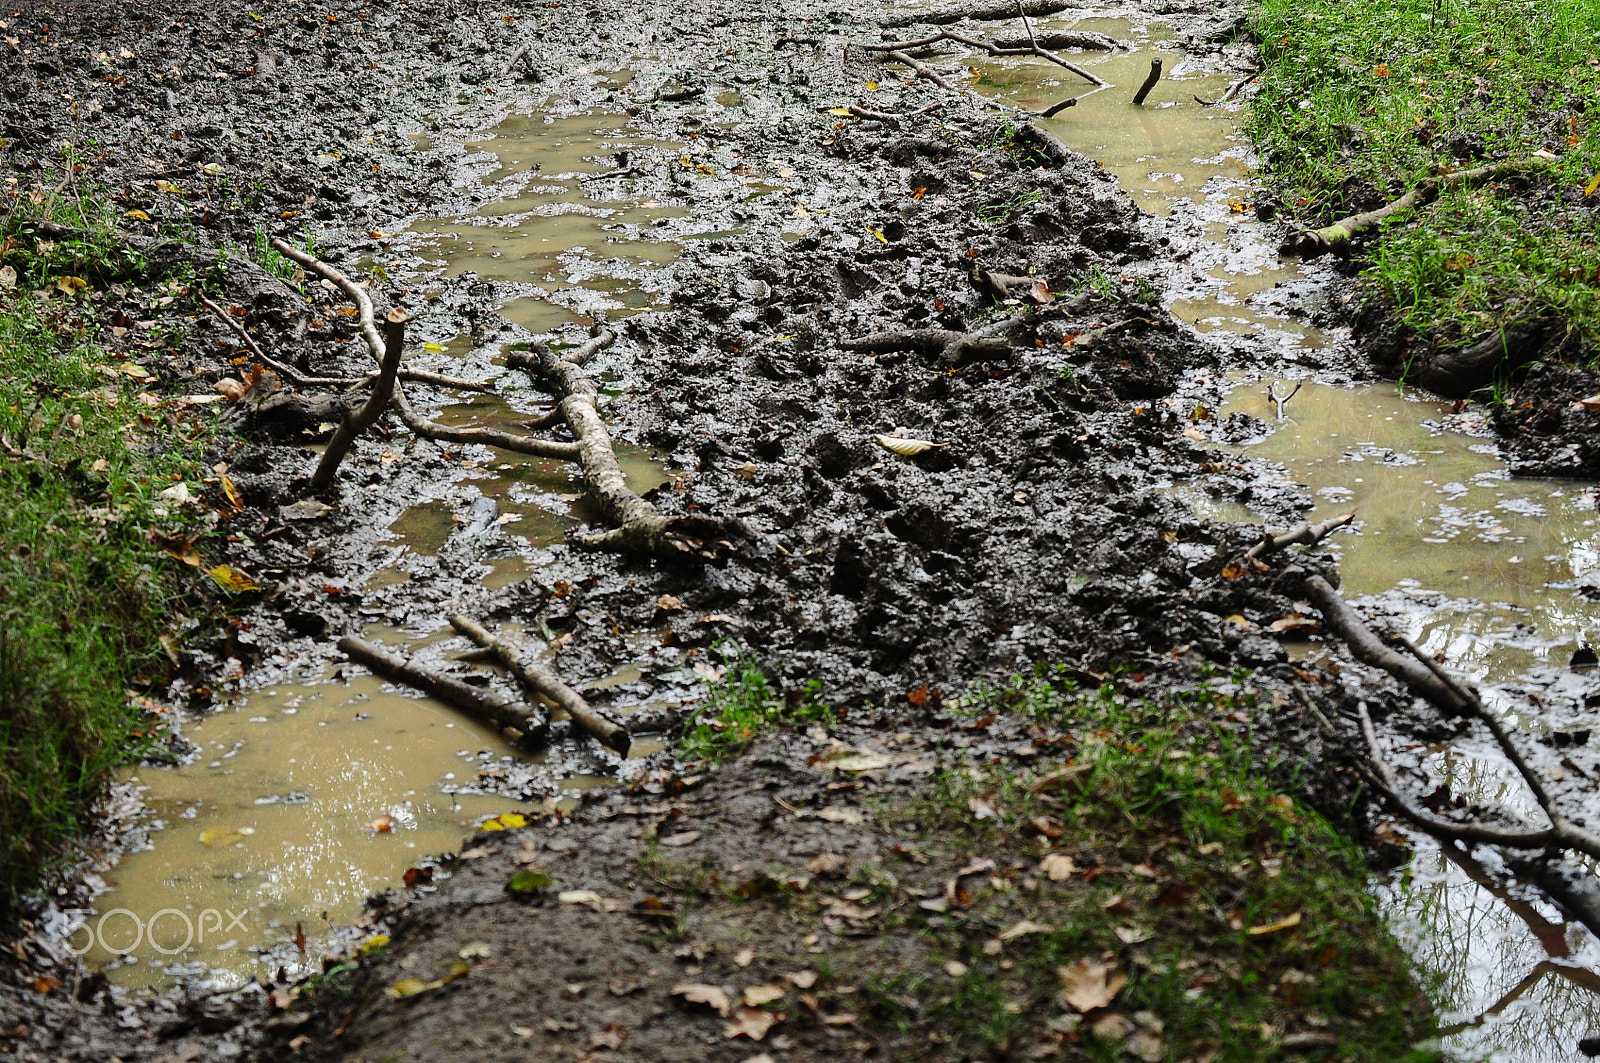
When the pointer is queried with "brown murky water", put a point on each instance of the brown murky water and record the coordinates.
(278, 825)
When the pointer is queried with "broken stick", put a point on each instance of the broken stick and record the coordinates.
(1149, 82)
(501, 710)
(954, 349)
(489, 437)
(640, 527)
(350, 429)
(1310, 534)
(1336, 238)
(538, 680)
(1280, 401)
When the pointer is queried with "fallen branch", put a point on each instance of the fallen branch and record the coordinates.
(1423, 676)
(923, 69)
(1051, 112)
(875, 116)
(1310, 534)
(489, 437)
(901, 52)
(998, 12)
(1149, 82)
(1336, 238)
(286, 371)
(502, 710)
(546, 684)
(640, 527)
(1085, 39)
(1233, 90)
(953, 349)
(388, 353)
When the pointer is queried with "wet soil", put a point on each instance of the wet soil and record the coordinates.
(1043, 532)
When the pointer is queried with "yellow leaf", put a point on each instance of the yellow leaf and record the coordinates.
(71, 284)
(168, 186)
(410, 987)
(1272, 928)
(220, 837)
(881, 238)
(906, 448)
(137, 215)
(375, 943)
(135, 370)
(232, 493)
(231, 579)
(433, 348)
(183, 551)
(842, 111)
(1592, 186)
(873, 85)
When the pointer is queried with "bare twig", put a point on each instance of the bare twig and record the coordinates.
(954, 349)
(1051, 112)
(1336, 238)
(283, 369)
(1310, 534)
(1233, 90)
(501, 710)
(489, 437)
(388, 352)
(1280, 401)
(545, 683)
(900, 51)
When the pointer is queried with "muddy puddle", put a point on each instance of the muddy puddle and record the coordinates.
(305, 800)
(1502, 577)
(559, 246)
(1177, 159)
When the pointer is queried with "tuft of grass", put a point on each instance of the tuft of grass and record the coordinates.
(1240, 918)
(84, 594)
(1363, 98)
(742, 704)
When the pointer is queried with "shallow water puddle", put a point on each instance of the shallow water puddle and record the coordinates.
(1495, 574)
(1174, 158)
(280, 823)
(562, 253)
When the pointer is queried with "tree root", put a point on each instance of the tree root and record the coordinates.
(953, 349)
(1425, 678)
(640, 527)
(350, 429)
(1336, 238)
(546, 684)
(502, 710)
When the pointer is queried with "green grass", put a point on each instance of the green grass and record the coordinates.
(1171, 788)
(742, 705)
(84, 594)
(1363, 98)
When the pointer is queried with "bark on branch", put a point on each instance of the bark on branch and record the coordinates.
(640, 527)
(1423, 676)
(1309, 534)
(500, 710)
(1336, 238)
(546, 684)
(489, 437)
(953, 349)
(344, 437)
(997, 12)
(900, 51)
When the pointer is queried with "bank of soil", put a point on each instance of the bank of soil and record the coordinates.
(1036, 533)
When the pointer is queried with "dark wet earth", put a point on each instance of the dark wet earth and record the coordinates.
(737, 240)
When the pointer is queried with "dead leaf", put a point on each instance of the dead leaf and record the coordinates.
(955, 968)
(611, 1036)
(1090, 984)
(680, 839)
(843, 909)
(853, 760)
(1117, 906)
(587, 897)
(1272, 928)
(383, 824)
(1040, 293)
(802, 979)
(709, 995)
(757, 995)
(305, 509)
(668, 604)
(410, 987)
(906, 448)
(744, 958)
(8, 277)
(231, 579)
(220, 836)
(825, 864)
(1069, 776)
(850, 817)
(981, 807)
(1023, 928)
(230, 388)
(1058, 866)
(750, 1022)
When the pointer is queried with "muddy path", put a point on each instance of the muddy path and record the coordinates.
(706, 203)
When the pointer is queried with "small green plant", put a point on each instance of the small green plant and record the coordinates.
(741, 705)
(995, 213)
